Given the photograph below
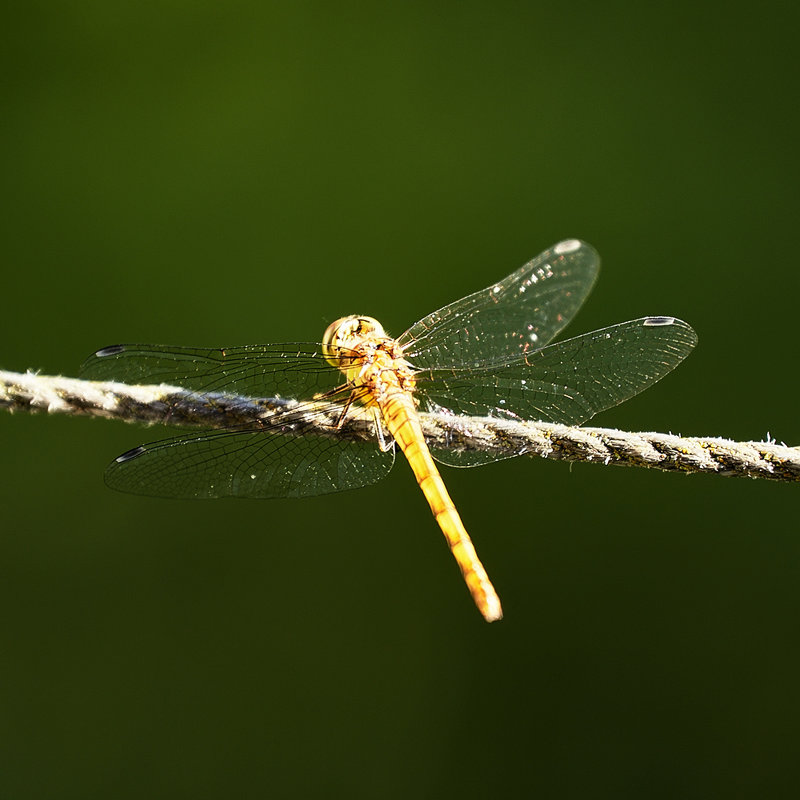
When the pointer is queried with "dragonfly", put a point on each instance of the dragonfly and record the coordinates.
(485, 355)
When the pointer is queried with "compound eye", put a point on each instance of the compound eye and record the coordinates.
(369, 326)
(332, 340)
(347, 334)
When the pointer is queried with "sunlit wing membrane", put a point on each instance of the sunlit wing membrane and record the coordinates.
(295, 370)
(568, 382)
(284, 456)
(289, 459)
(522, 312)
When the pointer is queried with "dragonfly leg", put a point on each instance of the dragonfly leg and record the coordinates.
(345, 408)
(354, 395)
(331, 392)
(385, 441)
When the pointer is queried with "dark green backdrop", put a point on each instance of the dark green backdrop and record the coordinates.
(209, 173)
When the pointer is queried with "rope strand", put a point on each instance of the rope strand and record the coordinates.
(163, 404)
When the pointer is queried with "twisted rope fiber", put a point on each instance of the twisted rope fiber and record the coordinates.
(163, 404)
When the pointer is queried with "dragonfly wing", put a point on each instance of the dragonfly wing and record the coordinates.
(285, 461)
(523, 312)
(288, 370)
(568, 382)
(285, 456)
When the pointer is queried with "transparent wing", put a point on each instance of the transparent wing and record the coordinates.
(568, 382)
(284, 456)
(264, 463)
(510, 318)
(270, 370)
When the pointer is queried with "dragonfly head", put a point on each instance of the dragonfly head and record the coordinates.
(345, 335)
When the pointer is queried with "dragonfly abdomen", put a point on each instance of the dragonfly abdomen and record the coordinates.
(400, 417)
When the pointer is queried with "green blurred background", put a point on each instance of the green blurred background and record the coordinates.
(208, 173)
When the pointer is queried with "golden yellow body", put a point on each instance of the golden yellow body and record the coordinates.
(374, 367)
